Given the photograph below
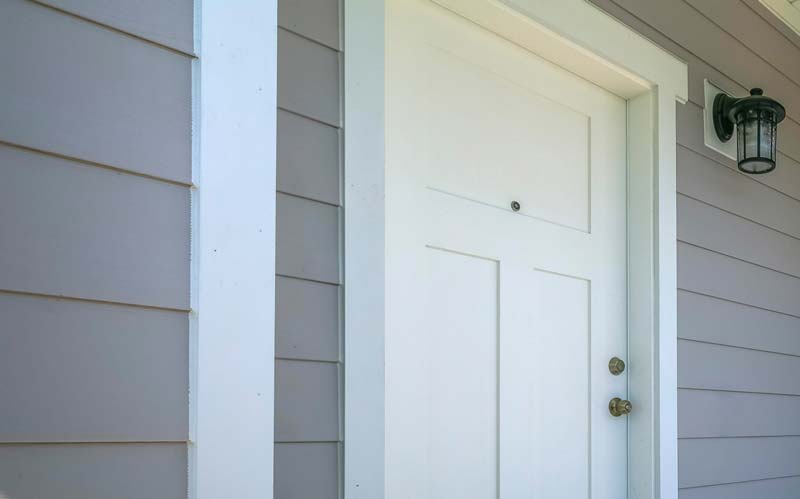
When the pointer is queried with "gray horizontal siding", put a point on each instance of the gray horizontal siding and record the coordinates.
(75, 371)
(80, 90)
(738, 254)
(737, 414)
(308, 158)
(726, 460)
(715, 320)
(737, 237)
(95, 163)
(711, 273)
(169, 23)
(718, 367)
(703, 37)
(776, 488)
(93, 471)
(307, 239)
(70, 229)
(314, 19)
(306, 320)
(703, 179)
(308, 259)
(307, 471)
(738, 20)
(306, 401)
(308, 78)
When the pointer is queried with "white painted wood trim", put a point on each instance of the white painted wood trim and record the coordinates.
(641, 296)
(364, 160)
(589, 42)
(233, 250)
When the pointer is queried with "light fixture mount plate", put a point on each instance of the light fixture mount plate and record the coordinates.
(722, 124)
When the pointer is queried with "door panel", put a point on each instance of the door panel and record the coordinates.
(549, 182)
(500, 323)
(460, 384)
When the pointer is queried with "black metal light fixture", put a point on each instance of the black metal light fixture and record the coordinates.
(756, 118)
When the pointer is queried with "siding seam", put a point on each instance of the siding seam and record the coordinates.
(716, 252)
(310, 442)
(301, 35)
(737, 302)
(316, 120)
(701, 389)
(278, 274)
(731, 437)
(742, 481)
(307, 198)
(88, 162)
(114, 29)
(93, 442)
(93, 300)
(739, 391)
(773, 352)
(689, 196)
(300, 359)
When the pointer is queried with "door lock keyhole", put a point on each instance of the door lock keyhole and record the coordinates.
(616, 366)
(515, 206)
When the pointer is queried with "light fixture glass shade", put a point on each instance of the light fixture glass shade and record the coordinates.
(756, 119)
(756, 130)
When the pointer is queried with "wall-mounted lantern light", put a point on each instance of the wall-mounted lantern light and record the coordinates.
(756, 119)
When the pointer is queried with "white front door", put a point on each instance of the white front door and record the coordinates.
(506, 268)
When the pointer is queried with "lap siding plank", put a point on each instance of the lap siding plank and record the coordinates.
(308, 323)
(80, 90)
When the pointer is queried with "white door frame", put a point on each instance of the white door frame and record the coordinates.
(585, 40)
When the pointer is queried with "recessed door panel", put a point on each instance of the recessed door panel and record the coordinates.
(460, 375)
(540, 160)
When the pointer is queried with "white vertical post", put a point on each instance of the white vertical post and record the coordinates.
(642, 377)
(666, 262)
(364, 249)
(233, 250)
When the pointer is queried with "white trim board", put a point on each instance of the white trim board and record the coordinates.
(583, 39)
(233, 250)
(364, 248)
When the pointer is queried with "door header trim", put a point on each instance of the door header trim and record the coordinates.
(582, 39)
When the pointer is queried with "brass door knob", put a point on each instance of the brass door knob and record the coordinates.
(618, 407)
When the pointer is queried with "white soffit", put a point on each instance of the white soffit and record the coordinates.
(787, 11)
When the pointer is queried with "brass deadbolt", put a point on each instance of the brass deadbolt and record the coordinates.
(618, 407)
(616, 366)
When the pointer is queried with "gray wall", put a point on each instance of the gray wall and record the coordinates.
(95, 161)
(738, 257)
(308, 359)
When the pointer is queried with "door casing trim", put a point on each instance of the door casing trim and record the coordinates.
(585, 40)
